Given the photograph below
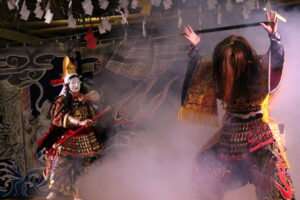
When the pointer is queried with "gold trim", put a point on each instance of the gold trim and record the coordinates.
(65, 120)
(196, 117)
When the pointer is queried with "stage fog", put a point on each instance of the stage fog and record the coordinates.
(157, 163)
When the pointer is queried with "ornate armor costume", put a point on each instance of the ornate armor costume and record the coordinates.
(84, 144)
(77, 152)
(248, 148)
(71, 144)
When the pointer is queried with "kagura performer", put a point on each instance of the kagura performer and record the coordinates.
(71, 110)
(248, 148)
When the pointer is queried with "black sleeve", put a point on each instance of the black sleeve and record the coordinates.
(277, 51)
(277, 60)
(191, 70)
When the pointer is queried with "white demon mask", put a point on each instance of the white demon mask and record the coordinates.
(74, 84)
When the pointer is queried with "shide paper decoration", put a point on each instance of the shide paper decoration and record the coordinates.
(200, 11)
(134, 4)
(24, 11)
(228, 5)
(103, 4)
(87, 7)
(39, 12)
(247, 8)
(212, 4)
(156, 2)
(144, 27)
(180, 20)
(122, 8)
(104, 26)
(12, 4)
(167, 4)
(219, 15)
(49, 15)
(124, 15)
(71, 20)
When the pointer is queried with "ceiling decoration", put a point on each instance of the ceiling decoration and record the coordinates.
(34, 22)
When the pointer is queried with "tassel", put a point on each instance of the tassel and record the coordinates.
(277, 135)
(196, 117)
(285, 191)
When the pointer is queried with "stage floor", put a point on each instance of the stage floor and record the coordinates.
(39, 198)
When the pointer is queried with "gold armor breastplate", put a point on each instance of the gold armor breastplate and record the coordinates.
(80, 110)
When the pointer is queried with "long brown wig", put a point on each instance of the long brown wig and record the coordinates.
(236, 68)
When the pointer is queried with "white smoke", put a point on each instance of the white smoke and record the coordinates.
(285, 108)
(158, 165)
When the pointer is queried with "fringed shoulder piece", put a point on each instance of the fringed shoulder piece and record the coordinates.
(200, 104)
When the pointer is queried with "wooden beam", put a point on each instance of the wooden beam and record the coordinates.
(64, 22)
(77, 27)
(19, 37)
(114, 21)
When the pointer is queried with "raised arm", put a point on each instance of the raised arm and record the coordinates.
(276, 51)
(194, 39)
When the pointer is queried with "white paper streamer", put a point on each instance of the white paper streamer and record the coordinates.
(70, 5)
(144, 27)
(247, 8)
(11, 4)
(123, 4)
(134, 4)
(87, 7)
(38, 11)
(228, 6)
(257, 4)
(103, 4)
(200, 10)
(167, 4)
(268, 6)
(180, 20)
(219, 15)
(101, 29)
(17, 4)
(156, 2)
(24, 11)
(124, 16)
(71, 21)
(48, 16)
(105, 23)
(48, 5)
(211, 4)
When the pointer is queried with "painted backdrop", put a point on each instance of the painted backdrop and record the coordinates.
(135, 77)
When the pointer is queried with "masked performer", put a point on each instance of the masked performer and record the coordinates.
(248, 147)
(71, 110)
